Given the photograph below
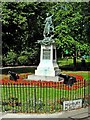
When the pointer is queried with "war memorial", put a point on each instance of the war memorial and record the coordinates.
(48, 68)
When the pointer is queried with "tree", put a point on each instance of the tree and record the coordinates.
(23, 25)
(70, 20)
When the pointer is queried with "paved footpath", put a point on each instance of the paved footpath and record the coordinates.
(82, 113)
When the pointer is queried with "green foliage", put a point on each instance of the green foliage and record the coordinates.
(28, 57)
(10, 58)
(23, 60)
(70, 26)
(23, 24)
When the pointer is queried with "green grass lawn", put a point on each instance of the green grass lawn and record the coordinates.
(64, 61)
(30, 96)
(68, 64)
(85, 74)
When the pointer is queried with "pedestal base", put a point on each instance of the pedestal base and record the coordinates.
(47, 68)
(44, 78)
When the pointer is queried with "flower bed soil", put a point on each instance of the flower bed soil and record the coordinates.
(59, 85)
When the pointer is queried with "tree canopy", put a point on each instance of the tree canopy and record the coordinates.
(23, 25)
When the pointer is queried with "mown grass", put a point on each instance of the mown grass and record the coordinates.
(65, 64)
(65, 61)
(85, 74)
(32, 94)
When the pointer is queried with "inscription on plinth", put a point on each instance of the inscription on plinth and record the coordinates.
(46, 54)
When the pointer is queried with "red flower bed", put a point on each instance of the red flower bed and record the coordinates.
(78, 77)
(59, 85)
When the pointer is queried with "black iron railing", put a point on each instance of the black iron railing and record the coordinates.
(39, 97)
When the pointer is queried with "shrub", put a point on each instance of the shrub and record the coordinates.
(29, 57)
(10, 58)
(23, 60)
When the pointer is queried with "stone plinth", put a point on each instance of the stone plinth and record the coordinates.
(48, 65)
(45, 78)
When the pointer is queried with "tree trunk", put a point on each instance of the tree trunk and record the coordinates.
(74, 60)
(62, 55)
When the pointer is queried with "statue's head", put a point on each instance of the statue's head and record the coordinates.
(47, 14)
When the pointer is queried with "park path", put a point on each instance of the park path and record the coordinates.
(82, 113)
(18, 67)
